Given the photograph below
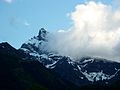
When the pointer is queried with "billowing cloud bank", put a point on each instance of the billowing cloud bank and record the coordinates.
(95, 32)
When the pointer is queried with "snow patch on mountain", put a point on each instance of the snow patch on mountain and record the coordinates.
(51, 66)
(97, 76)
(88, 60)
(35, 54)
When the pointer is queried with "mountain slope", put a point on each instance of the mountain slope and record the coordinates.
(19, 73)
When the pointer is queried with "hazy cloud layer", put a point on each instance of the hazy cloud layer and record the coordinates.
(95, 32)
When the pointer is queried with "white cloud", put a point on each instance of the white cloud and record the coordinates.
(8, 1)
(95, 32)
(26, 23)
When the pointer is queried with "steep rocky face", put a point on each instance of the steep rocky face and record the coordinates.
(84, 71)
(42, 34)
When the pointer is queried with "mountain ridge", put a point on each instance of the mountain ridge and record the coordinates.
(85, 71)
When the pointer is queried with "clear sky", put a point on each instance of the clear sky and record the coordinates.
(21, 19)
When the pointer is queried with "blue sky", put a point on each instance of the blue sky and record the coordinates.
(21, 19)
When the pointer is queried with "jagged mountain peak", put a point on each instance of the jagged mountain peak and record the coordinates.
(37, 44)
(42, 34)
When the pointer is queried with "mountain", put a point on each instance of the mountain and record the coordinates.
(18, 71)
(84, 72)
(33, 67)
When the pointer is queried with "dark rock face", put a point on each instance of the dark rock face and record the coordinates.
(6, 48)
(42, 34)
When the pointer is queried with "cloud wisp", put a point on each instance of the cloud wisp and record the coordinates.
(14, 21)
(95, 32)
(8, 1)
(26, 23)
